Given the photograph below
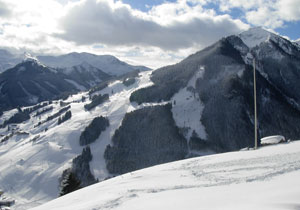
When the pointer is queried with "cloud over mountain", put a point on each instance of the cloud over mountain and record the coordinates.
(110, 23)
(152, 33)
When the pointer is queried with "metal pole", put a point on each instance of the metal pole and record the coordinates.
(255, 108)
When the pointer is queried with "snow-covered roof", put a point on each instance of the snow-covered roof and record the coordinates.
(272, 139)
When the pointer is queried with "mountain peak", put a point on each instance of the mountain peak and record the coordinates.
(30, 58)
(255, 36)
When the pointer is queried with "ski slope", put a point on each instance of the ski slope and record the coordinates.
(32, 163)
(187, 108)
(267, 178)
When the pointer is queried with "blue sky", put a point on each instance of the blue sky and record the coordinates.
(145, 5)
(290, 29)
(153, 33)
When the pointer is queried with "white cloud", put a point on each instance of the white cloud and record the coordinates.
(165, 34)
(289, 10)
(264, 16)
(31, 25)
(170, 26)
(4, 10)
(269, 13)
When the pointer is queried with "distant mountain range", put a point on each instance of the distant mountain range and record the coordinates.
(199, 106)
(34, 80)
(107, 63)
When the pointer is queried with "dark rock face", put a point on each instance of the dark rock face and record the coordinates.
(226, 90)
(93, 130)
(146, 137)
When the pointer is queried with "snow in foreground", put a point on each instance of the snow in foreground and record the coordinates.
(267, 178)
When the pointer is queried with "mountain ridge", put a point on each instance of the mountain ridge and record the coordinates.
(9, 60)
(107, 63)
(212, 88)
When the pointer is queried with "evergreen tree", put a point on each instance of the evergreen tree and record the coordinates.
(68, 182)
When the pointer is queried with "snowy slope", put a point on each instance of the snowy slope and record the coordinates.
(83, 67)
(267, 178)
(32, 163)
(187, 108)
(254, 36)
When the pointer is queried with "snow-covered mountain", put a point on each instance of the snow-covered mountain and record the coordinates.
(267, 179)
(85, 75)
(225, 89)
(107, 63)
(200, 106)
(31, 82)
(79, 71)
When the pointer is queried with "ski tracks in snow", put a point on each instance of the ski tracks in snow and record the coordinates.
(206, 172)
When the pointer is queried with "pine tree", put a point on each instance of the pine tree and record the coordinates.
(69, 182)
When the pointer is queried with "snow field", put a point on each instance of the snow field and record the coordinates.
(187, 108)
(267, 178)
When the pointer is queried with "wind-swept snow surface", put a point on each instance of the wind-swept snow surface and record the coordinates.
(267, 178)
